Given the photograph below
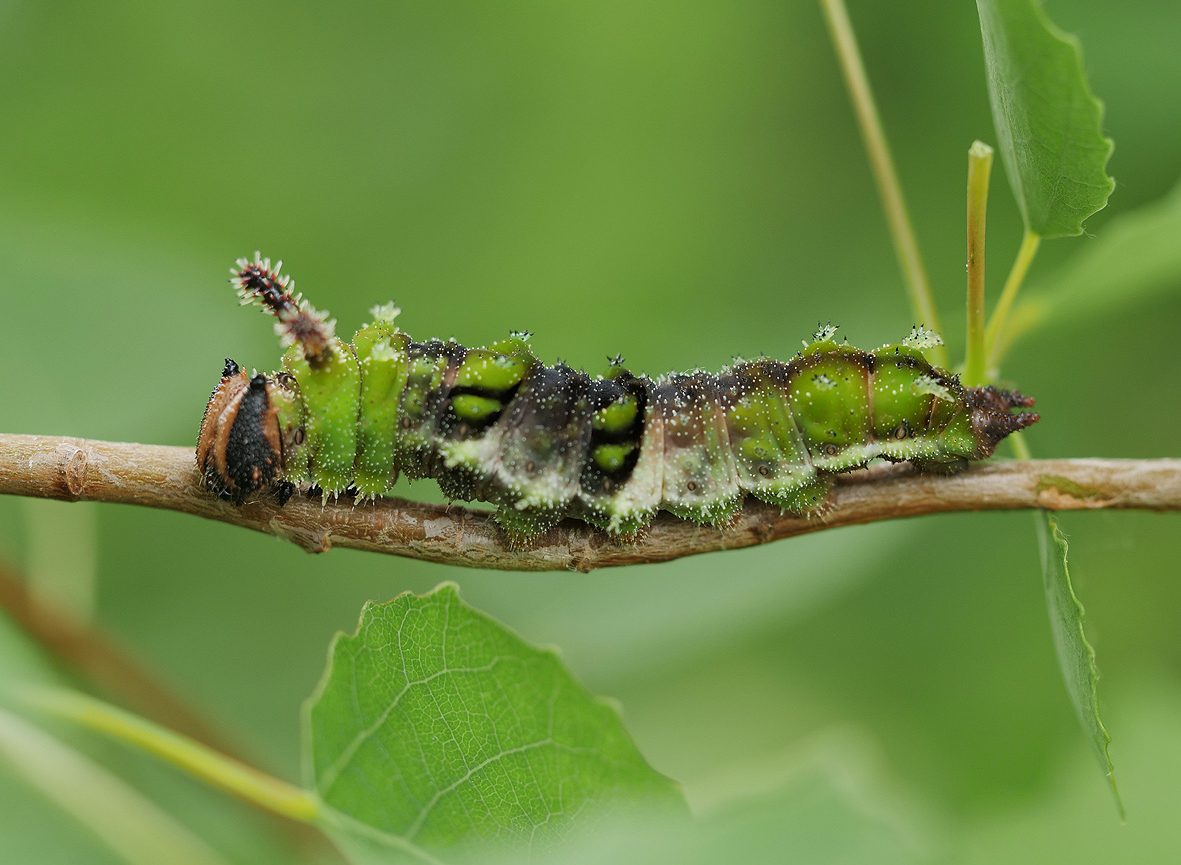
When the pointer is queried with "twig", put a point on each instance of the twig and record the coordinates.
(86, 650)
(165, 477)
(885, 175)
(995, 335)
(243, 780)
(976, 353)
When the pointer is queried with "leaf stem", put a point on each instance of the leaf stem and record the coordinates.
(256, 787)
(979, 171)
(996, 325)
(884, 172)
(1020, 447)
(131, 825)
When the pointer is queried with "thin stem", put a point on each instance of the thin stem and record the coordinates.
(165, 477)
(979, 171)
(92, 654)
(265, 791)
(136, 829)
(996, 324)
(1020, 446)
(884, 173)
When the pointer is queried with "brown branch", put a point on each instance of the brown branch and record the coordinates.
(165, 477)
(94, 655)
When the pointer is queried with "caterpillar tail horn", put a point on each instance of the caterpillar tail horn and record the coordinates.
(991, 415)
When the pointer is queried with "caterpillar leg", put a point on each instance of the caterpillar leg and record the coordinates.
(810, 499)
(520, 527)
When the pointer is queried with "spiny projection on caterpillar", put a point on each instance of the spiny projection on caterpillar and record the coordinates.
(544, 442)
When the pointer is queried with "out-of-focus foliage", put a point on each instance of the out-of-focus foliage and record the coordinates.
(71, 798)
(1136, 258)
(677, 182)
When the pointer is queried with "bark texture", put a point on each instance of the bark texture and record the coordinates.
(166, 477)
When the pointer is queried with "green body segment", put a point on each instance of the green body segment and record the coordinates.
(331, 393)
(611, 458)
(912, 411)
(773, 462)
(898, 401)
(289, 413)
(616, 417)
(484, 384)
(495, 369)
(829, 400)
(475, 409)
(385, 370)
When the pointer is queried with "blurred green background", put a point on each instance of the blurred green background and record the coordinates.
(679, 182)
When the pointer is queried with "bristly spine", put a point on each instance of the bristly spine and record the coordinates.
(298, 321)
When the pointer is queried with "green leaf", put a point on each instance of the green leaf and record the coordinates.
(1137, 255)
(436, 732)
(1048, 123)
(1075, 655)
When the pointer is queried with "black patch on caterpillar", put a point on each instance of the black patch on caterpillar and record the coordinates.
(251, 462)
(454, 427)
(602, 393)
(421, 460)
(257, 277)
(547, 426)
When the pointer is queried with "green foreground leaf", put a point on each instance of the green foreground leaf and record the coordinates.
(437, 733)
(1048, 123)
(1076, 657)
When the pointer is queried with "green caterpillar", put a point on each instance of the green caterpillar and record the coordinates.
(545, 442)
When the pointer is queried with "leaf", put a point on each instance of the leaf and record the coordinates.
(1068, 821)
(1048, 123)
(1075, 655)
(436, 731)
(1136, 256)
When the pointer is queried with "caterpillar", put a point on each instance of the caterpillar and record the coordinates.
(540, 442)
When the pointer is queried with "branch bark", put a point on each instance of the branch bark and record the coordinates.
(165, 477)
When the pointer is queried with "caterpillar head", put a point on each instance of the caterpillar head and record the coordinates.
(240, 447)
(991, 418)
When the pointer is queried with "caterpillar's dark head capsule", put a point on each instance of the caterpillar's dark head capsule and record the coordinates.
(992, 420)
(240, 448)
